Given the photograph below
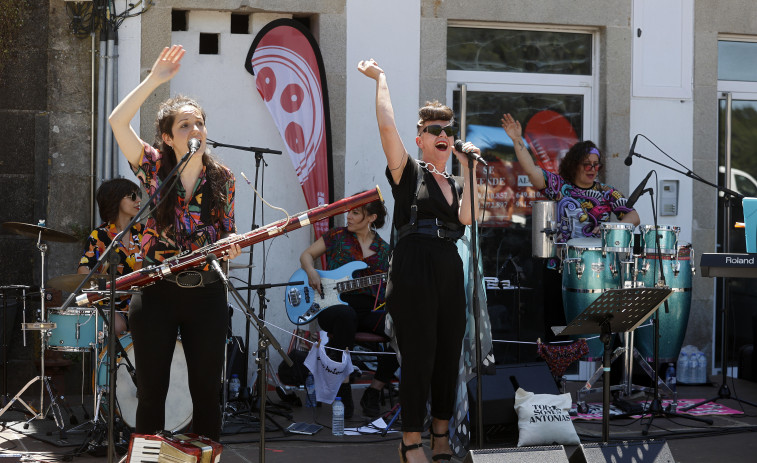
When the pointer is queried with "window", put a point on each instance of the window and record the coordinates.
(737, 60)
(508, 50)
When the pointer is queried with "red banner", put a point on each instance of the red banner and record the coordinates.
(289, 75)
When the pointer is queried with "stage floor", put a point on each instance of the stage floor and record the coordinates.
(730, 438)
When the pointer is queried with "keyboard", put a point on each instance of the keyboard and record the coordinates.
(730, 265)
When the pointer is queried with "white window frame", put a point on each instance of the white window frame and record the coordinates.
(536, 83)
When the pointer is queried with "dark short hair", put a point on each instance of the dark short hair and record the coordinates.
(435, 111)
(574, 157)
(109, 196)
(375, 207)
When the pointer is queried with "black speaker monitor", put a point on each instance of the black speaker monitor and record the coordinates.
(499, 390)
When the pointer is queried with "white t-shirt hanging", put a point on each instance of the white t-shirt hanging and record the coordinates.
(327, 373)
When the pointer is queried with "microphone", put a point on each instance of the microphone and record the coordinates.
(475, 156)
(629, 158)
(193, 144)
(638, 191)
(212, 260)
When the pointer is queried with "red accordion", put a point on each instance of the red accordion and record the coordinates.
(179, 448)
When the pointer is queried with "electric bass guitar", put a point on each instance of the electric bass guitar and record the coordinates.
(303, 303)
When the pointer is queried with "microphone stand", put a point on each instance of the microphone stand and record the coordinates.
(728, 196)
(259, 152)
(112, 342)
(265, 338)
(475, 307)
(655, 406)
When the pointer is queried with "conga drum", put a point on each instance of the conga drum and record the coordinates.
(668, 238)
(617, 237)
(678, 270)
(587, 272)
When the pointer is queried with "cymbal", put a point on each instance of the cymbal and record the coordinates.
(33, 231)
(68, 282)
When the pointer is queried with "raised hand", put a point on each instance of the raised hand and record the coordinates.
(168, 63)
(512, 127)
(370, 68)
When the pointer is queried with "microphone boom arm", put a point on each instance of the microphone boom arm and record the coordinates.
(693, 176)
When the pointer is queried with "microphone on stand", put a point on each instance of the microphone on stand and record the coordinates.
(629, 158)
(475, 156)
(193, 144)
(638, 191)
(212, 260)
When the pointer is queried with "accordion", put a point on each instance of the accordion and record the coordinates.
(179, 448)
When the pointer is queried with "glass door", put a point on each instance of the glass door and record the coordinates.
(553, 119)
(742, 292)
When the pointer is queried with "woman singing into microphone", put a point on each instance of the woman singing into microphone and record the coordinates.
(193, 211)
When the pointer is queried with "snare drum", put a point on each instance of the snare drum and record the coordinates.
(76, 331)
(587, 272)
(678, 270)
(617, 237)
(178, 400)
(668, 239)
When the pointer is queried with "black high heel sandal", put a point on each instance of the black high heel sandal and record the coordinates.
(432, 438)
(403, 449)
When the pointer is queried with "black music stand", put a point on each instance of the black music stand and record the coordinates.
(615, 311)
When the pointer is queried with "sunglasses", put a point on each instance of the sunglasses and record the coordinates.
(589, 166)
(436, 129)
(134, 195)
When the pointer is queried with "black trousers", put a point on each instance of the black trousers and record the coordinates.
(426, 298)
(343, 321)
(200, 316)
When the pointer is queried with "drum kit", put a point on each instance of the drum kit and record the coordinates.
(83, 330)
(617, 260)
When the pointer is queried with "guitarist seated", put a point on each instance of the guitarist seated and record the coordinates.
(358, 241)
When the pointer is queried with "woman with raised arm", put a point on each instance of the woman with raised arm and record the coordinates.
(425, 293)
(583, 201)
(195, 209)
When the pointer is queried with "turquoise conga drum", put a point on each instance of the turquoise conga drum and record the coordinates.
(668, 238)
(678, 270)
(587, 272)
(617, 237)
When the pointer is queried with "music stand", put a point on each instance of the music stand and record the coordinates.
(615, 311)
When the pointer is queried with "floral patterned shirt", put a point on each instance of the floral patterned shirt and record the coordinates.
(189, 231)
(129, 253)
(581, 210)
(342, 247)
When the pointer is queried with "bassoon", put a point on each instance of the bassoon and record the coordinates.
(197, 258)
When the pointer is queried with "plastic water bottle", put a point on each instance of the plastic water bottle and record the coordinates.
(683, 368)
(234, 386)
(701, 368)
(310, 401)
(337, 417)
(670, 376)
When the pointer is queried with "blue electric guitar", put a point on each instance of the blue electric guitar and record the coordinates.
(303, 303)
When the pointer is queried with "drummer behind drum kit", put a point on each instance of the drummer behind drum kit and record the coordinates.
(591, 266)
(82, 329)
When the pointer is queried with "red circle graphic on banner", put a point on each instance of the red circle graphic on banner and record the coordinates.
(291, 98)
(266, 83)
(295, 137)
